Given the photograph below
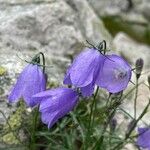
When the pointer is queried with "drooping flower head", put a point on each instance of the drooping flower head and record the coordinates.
(55, 103)
(30, 81)
(84, 70)
(115, 74)
(143, 139)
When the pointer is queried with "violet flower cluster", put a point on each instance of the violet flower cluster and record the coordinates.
(89, 68)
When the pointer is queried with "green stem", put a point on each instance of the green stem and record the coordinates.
(43, 57)
(100, 140)
(78, 126)
(33, 138)
(91, 120)
(107, 102)
(126, 113)
(111, 114)
(92, 109)
(135, 99)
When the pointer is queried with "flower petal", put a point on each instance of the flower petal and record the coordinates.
(35, 82)
(56, 100)
(48, 117)
(16, 91)
(58, 105)
(114, 75)
(87, 90)
(82, 69)
(67, 79)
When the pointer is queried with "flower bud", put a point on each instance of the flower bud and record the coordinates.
(113, 124)
(139, 66)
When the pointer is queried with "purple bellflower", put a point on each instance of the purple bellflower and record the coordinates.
(115, 74)
(84, 70)
(31, 81)
(55, 103)
(143, 139)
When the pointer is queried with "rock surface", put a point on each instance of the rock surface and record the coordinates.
(57, 28)
(130, 16)
(118, 7)
(131, 50)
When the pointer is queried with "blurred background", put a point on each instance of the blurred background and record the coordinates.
(60, 28)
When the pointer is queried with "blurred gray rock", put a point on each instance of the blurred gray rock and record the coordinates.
(144, 8)
(57, 28)
(131, 50)
(110, 7)
(129, 16)
(118, 7)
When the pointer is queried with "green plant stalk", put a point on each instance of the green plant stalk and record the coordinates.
(33, 132)
(127, 114)
(43, 61)
(107, 102)
(92, 109)
(78, 124)
(91, 120)
(135, 99)
(118, 147)
(100, 140)
(125, 96)
(111, 115)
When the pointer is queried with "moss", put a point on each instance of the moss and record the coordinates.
(15, 121)
(10, 138)
(2, 71)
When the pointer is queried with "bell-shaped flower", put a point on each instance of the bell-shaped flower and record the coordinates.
(115, 74)
(55, 103)
(143, 139)
(30, 81)
(84, 70)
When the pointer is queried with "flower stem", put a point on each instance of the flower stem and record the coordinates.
(92, 109)
(135, 99)
(110, 114)
(43, 57)
(91, 120)
(73, 115)
(33, 135)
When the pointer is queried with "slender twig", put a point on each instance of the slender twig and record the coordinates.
(135, 99)
(33, 135)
